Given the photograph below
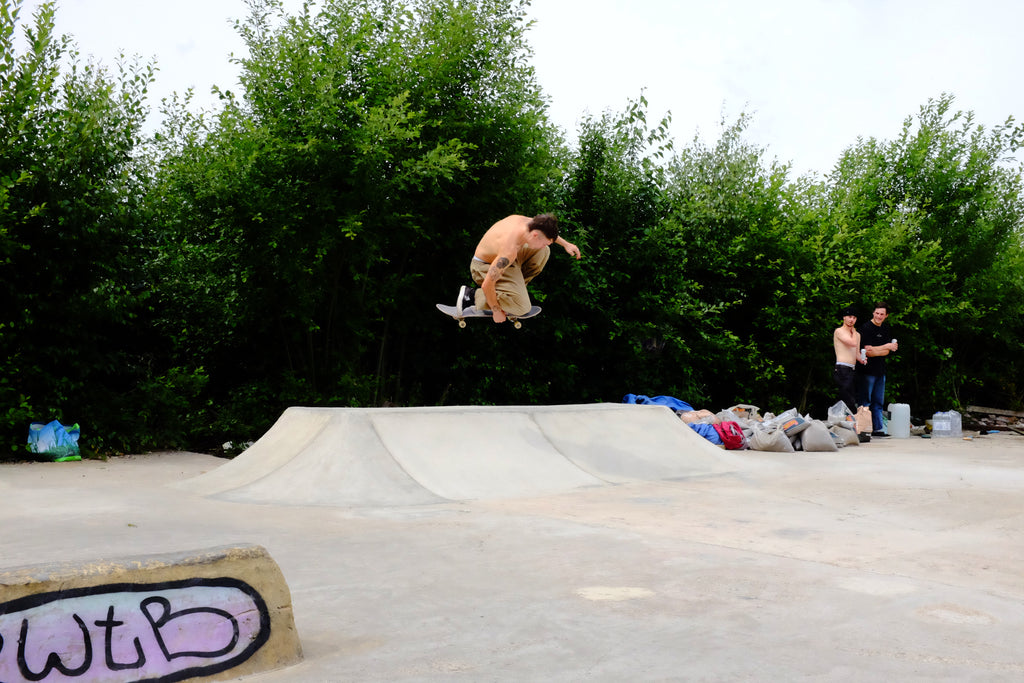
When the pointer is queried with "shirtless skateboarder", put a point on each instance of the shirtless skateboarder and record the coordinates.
(846, 340)
(512, 252)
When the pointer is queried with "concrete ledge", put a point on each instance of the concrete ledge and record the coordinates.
(211, 614)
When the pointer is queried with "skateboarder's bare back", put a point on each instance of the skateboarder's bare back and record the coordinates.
(505, 238)
(511, 253)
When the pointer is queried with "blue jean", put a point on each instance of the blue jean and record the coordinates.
(872, 393)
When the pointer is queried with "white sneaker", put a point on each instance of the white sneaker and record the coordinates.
(466, 299)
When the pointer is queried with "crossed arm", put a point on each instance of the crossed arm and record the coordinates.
(494, 273)
(881, 350)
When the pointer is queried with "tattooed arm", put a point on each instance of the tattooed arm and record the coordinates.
(494, 273)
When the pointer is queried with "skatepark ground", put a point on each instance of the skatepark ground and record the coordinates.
(581, 543)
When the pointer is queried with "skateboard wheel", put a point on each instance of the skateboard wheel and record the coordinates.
(462, 323)
(517, 324)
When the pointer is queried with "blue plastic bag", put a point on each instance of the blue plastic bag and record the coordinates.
(670, 401)
(55, 440)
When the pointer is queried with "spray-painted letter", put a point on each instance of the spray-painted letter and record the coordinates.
(53, 660)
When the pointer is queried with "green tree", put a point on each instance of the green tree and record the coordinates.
(935, 221)
(730, 239)
(608, 309)
(313, 223)
(68, 186)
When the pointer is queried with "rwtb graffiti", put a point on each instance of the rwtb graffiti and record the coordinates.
(132, 632)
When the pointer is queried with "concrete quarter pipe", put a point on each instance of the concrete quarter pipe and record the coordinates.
(409, 456)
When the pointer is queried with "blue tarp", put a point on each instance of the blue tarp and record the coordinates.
(670, 401)
(55, 440)
(707, 431)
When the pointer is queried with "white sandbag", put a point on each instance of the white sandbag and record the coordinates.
(726, 416)
(845, 435)
(817, 438)
(840, 414)
(775, 441)
(791, 422)
(795, 425)
(745, 411)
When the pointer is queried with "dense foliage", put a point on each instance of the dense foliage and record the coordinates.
(288, 248)
(69, 251)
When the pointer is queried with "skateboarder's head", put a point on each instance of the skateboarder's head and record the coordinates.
(547, 224)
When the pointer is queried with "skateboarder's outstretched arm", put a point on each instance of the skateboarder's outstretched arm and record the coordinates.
(570, 248)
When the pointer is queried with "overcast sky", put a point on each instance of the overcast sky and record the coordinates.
(815, 74)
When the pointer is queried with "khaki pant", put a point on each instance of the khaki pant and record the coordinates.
(511, 287)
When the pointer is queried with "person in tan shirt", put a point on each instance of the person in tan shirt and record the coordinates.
(846, 340)
(511, 253)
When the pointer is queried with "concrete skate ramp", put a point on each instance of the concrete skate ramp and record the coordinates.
(409, 456)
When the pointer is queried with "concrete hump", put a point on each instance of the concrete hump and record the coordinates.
(410, 456)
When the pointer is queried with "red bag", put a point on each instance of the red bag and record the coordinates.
(731, 435)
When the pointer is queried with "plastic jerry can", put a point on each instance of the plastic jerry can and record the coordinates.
(946, 424)
(899, 425)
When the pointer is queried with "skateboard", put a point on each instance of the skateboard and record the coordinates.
(477, 313)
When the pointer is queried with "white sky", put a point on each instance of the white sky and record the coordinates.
(815, 74)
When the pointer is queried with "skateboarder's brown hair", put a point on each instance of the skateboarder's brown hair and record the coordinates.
(547, 224)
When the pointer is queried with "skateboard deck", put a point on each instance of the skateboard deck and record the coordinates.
(477, 313)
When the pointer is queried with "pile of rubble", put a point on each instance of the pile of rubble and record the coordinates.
(995, 418)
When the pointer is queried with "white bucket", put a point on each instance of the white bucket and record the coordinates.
(899, 425)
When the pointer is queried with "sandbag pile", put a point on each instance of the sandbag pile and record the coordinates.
(787, 432)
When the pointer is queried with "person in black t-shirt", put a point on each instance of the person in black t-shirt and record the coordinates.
(876, 342)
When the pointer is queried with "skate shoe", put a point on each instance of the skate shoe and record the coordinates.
(466, 301)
